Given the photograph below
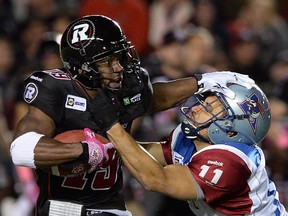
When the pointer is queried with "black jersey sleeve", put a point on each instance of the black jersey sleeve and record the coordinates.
(43, 90)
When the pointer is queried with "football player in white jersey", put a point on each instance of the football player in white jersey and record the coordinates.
(213, 160)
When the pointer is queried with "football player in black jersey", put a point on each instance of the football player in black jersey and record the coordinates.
(97, 59)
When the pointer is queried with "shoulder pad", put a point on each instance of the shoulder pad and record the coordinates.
(251, 152)
(182, 148)
(58, 74)
(55, 74)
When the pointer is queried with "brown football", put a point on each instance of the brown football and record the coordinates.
(76, 136)
(71, 136)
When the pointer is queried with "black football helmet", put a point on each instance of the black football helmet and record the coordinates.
(93, 38)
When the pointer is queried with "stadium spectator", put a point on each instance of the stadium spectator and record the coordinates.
(132, 16)
(166, 16)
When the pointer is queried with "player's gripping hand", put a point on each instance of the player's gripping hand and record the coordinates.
(94, 150)
(217, 81)
(105, 110)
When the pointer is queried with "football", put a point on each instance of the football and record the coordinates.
(76, 167)
(71, 136)
(77, 136)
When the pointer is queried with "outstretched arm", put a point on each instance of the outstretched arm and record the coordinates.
(172, 180)
(172, 93)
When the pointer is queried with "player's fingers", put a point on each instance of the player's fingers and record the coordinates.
(88, 133)
(109, 145)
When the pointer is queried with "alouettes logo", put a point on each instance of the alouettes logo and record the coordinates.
(254, 109)
(81, 34)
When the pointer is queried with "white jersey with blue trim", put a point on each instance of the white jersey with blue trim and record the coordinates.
(231, 177)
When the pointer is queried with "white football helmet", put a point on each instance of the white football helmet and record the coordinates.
(244, 119)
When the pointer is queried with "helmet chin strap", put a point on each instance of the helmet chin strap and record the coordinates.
(97, 76)
(191, 132)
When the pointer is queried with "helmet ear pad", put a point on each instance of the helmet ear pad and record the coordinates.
(218, 132)
(73, 65)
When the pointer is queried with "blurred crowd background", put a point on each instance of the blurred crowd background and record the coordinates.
(174, 39)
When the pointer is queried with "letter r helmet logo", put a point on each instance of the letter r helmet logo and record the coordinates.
(81, 34)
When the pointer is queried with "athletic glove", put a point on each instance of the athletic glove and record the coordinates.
(94, 150)
(217, 82)
(104, 110)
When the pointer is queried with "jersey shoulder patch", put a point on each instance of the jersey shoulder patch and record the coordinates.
(250, 151)
(43, 80)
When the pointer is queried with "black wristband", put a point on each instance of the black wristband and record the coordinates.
(198, 77)
(85, 154)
